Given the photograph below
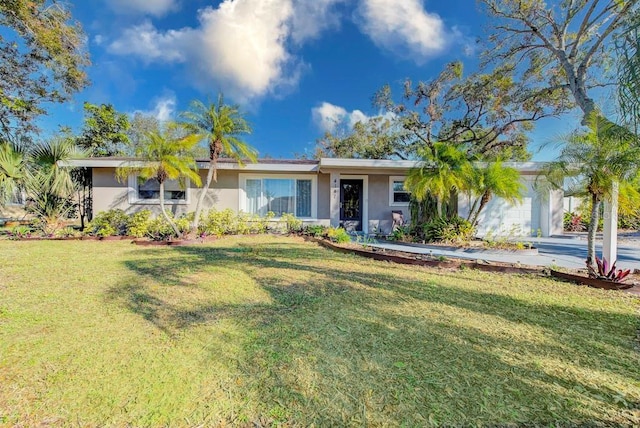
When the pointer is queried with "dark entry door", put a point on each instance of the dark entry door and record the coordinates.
(351, 205)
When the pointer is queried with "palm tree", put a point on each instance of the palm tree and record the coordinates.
(49, 184)
(164, 156)
(444, 169)
(220, 125)
(13, 166)
(47, 161)
(494, 179)
(606, 153)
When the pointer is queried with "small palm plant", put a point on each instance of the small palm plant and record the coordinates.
(493, 179)
(13, 167)
(163, 155)
(444, 168)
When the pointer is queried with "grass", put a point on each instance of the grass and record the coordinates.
(265, 331)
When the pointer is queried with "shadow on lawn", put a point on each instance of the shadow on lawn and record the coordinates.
(366, 364)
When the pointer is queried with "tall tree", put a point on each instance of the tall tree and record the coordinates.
(105, 130)
(140, 124)
(628, 49)
(42, 59)
(378, 137)
(564, 49)
(163, 157)
(487, 113)
(220, 125)
(595, 159)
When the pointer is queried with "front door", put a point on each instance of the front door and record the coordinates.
(351, 205)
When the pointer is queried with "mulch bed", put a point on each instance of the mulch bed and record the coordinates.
(453, 263)
(425, 260)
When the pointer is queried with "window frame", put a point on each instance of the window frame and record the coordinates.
(134, 198)
(242, 202)
(392, 179)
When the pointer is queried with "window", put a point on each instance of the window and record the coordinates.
(398, 196)
(279, 194)
(148, 191)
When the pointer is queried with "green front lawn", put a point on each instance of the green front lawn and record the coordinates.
(270, 330)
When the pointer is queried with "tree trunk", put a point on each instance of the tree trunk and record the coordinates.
(472, 209)
(591, 232)
(164, 211)
(212, 175)
(486, 197)
(439, 206)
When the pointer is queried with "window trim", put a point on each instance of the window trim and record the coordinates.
(392, 203)
(242, 194)
(135, 200)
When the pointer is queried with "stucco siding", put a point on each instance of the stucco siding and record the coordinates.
(108, 193)
(324, 197)
(525, 218)
(380, 217)
(223, 194)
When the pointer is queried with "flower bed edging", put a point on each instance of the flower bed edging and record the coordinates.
(449, 264)
(533, 251)
(591, 282)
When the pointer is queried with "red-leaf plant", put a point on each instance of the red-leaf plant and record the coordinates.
(607, 272)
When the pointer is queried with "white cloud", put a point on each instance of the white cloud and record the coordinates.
(146, 42)
(311, 17)
(241, 46)
(150, 7)
(329, 117)
(403, 27)
(163, 109)
(244, 47)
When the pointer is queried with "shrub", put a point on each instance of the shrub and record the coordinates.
(218, 223)
(450, 230)
(291, 223)
(573, 222)
(109, 223)
(67, 232)
(20, 231)
(183, 224)
(262, 224)
(138, 223)
(159, 229)
(338, 234)
(401, 234)
(316, 230)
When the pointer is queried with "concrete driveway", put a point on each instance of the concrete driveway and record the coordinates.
(568, 252)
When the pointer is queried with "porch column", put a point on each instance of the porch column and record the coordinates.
(545, 213)
(335, 199)
(610, 232)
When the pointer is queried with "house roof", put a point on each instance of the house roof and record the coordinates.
(371, 166)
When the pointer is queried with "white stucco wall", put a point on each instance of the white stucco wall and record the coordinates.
(537, 213)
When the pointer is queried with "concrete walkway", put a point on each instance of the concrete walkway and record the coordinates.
(568, 252)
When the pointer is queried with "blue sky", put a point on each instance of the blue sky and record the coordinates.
(295, 66)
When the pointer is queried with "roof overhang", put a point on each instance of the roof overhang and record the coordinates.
(265, 166)
(325, 165)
